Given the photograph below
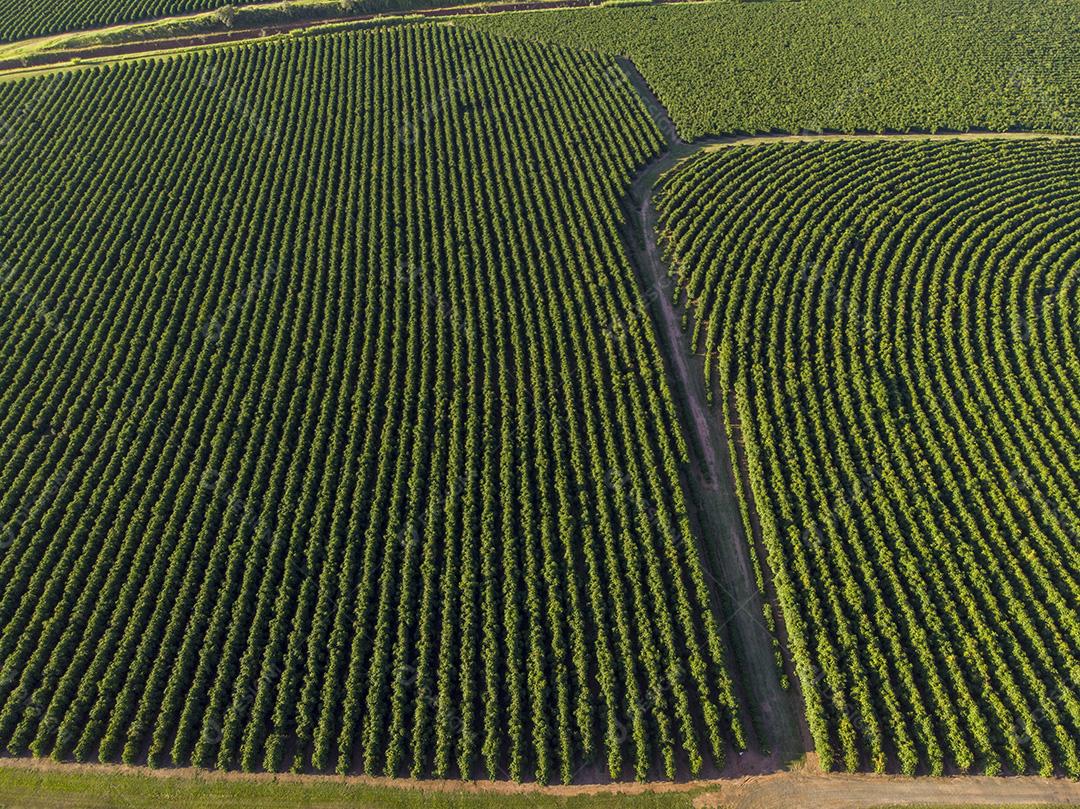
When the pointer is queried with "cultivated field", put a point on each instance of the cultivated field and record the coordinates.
(841, 65)
(333, 432)
(672, 404)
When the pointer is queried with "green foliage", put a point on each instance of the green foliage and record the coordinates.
(893, 327)
(332, 435)
(65, 787)
(225, 15)
(840, 65)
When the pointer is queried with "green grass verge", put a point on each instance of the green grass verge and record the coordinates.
(29, 789)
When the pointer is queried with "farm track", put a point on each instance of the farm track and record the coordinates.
(773, 712)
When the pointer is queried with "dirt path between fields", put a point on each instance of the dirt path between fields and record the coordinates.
(153, 46)
(713, 144)
(810, 791)
(771, 714)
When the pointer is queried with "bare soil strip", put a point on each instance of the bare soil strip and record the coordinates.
(804, 790)
(714, 143)
(773, 713)
(154, 46)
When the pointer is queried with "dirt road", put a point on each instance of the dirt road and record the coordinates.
(42, 60)
(773, 714)
(799, 790)
(713, 144)
(157, 45)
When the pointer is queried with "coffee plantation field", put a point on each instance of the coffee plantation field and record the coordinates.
(333, 435)
(664, 403)
(842, 65)
(892, 332)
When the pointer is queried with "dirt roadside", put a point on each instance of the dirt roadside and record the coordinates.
(770, 712)
(804, 790)
(713, 144)
(154, 46)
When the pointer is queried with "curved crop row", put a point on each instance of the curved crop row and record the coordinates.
(892, 328)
